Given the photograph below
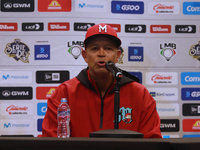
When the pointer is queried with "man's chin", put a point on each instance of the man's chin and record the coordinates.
(102, 73)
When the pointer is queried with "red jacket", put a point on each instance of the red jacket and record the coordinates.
(90, 112)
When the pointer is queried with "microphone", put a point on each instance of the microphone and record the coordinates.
(110, 66)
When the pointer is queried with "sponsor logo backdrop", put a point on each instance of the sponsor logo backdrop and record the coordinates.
(41, 43)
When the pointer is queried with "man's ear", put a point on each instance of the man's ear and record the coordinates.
(84, 55)
(118, 55)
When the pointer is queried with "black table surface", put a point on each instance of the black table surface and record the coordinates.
(30, 143)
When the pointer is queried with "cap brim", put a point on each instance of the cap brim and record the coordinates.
(115, 39)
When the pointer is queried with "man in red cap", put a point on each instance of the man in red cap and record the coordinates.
(91, 94)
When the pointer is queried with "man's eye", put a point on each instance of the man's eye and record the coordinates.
(94, 48)
(108, 48)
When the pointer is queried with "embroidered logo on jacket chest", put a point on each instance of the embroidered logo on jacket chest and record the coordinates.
(125, 114)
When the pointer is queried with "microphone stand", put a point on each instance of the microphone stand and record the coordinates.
(116, 133)
(117, 100)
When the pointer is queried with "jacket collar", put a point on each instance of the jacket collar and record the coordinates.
(83, 78)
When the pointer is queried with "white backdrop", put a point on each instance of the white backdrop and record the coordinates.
(158, 38)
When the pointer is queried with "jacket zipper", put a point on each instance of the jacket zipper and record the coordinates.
(102, 107)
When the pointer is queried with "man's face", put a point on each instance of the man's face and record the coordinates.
(98, 51)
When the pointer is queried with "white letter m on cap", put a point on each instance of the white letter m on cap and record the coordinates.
(102, 28)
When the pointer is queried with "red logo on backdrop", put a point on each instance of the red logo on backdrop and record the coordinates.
(117, 27)
(13, 108)
(58, 26)
(54, 5)
(158, 77)
(160, 28)
(44, 92)
(160, 7)
(191, 125)
(8, 26)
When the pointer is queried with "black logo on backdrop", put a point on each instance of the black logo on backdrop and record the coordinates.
(191, 109)
(185, 29)
(82, 26)
(169, 125)
(135, 28)
(55, 76)
(32, 26)
(17, 6)
(16, 93)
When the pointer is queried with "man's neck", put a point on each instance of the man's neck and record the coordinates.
(103, 83)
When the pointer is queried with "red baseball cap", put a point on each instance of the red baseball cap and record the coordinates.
(102, 29)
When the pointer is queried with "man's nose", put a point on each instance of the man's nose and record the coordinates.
(101, 51)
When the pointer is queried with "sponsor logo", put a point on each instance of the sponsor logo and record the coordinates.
(58, 26)
(170, 136)
(191, 8)
(55, 76)
(190, 93)
(41, 109)
(8, 26)
(137, 74)
(117, 27)
(17, 109)
(191, 135)
(33, 26)
(19, 77)
(42, 52)
(185, 28)
(163, 8)
(75, 48)
(191, 109)
(18, 51)
(16, 6)
(54, 5)
(171, 109)
(160, 28)
(190, 78)
(16, 93)
(91, 6)
(169, 125)
(82, 26)
(168, 50)
(125, 115)
(135, 28)
(164, 94)
(195, 51)
(127, 7)
(135, 54)
(39, 125)
(191, 125)
(161, 78)
(16, 125)
(44, 92)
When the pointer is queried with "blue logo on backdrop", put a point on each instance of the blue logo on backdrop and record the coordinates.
(137, 74)
(7, 125)
(190, 78)
(41, 109)
(135, 53)
(191, 8)
(191, 135)
(190, 93)
(39, 125)
(127, 7)
(42, 52)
